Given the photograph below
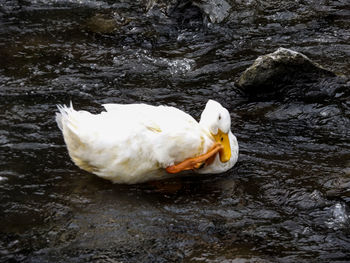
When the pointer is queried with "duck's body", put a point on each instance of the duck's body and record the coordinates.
(136, 142)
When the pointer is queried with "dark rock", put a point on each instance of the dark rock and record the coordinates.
(186, 13)
(280, 68)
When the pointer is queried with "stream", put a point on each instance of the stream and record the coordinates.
(286, 200)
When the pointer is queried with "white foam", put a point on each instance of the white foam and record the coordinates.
(180, 65)
(340, 218)
(3, 178)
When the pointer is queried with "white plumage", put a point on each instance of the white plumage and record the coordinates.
(135, 143)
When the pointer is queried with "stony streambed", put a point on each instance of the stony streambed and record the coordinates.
(286, 200)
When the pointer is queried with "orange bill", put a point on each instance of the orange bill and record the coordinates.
(223, 139)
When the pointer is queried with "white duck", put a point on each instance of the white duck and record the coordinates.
(134, 143)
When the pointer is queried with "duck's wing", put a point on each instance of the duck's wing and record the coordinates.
(172, 134)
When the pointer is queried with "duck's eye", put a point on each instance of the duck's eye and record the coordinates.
(219, 117)
(222, 138)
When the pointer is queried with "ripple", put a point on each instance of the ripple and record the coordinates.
(143, 62)
(287, 198)
(340, 217)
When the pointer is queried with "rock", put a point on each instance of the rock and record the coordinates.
(105, 23)
(278, 69)
(216, 11)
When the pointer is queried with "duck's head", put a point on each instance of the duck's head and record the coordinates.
(217, 120)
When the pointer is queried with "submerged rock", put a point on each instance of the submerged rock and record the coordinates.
(105, 23)
(280, 68)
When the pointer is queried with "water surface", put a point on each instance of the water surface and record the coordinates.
(286, 200)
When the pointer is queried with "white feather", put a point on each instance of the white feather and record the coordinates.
(135, 142)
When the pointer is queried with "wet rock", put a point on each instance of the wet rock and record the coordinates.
(216, 11)
(105, 23)
(280, 68)
(186, 13)
(160, 7)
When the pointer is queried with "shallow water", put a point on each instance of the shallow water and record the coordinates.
(286, 200)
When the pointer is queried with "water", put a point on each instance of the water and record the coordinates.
(286, 200)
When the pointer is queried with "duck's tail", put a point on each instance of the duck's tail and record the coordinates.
(67, 121)
(71, 123)
(63, 114)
